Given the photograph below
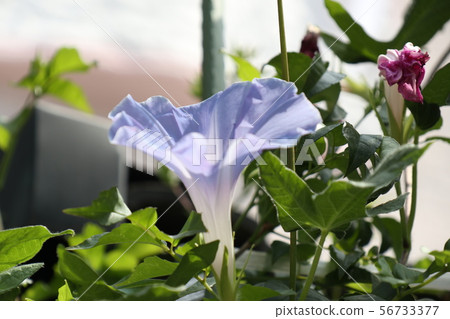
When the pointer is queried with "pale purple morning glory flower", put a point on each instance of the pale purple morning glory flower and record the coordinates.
(209, 144)
(405, 68)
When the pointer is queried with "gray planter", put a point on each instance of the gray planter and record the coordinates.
(63, 159)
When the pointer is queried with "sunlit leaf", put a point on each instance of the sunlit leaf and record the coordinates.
(192, 263)
(18, 245)
(64, 293)
(67, 60)
(13, 277)
(70, 93)
(340, 203)
(109, 208)
(245, 71)
(151, 267)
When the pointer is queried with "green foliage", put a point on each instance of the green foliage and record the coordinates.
(338, 197)
(255, 293)
(299, 68)
(150, 268)
(361, 147)
(437, 90)
(387, 207)
(245, 71)
(13, 277)
(64, 293)
(45, 78)
(423, 19)
(107, 209)
(192, 263)
(19, 245)
(340, 203)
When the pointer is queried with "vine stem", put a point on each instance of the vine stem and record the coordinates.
(245, 213)
(290, 151)
(412, 212)
(420, 286)
(406, 239)
(315, 263)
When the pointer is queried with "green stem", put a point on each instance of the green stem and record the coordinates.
(406, 239)
(412, 212)
(420, 286)
(284, 57)
(380, 120)
(315, 263)
(245, 213)
(293, 263)
(291, 151)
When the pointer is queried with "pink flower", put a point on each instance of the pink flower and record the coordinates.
(405, 68)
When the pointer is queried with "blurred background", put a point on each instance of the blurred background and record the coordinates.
(144, 46)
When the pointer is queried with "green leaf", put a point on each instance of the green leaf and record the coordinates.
(151, 267)
(388, 145)
(146, 219)
(245, 71)
(95, 257)
(422, 20)
(64, 293)
(155, 292)
(13, 277)
(109, 208)
(345, 52)
(193, 226)
(74, 269)
(333, 132)
(9, 139)
(442, 258)
(5, 137)
(68, 92)
(360, 41)
(406, 274)
(124, 234)
(18, 245)
(299, 67)
(184, 248)
(290, 194)
(340, 203)
(345, 261)
(389, 206)
(36, 77)
(317, 69)
(426, 115)
(361, 147)
(67, 60)
(255, 293)
(305, 251)
(391, 232)
(327, 80)
(438, 138)
(393, 164)
(11, 295)
(97, 292)
(278, 250)
(192, 263)
(437, 90)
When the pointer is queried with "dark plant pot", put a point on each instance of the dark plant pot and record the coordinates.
(63, 159)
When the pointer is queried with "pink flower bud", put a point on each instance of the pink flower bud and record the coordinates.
(405, 68)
